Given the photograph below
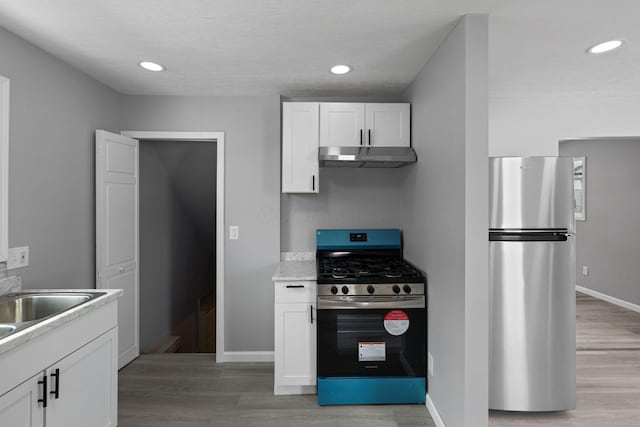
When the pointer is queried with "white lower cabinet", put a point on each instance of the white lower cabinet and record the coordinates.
(295, 338)
(19, 407)
(66, 376)
(78, 391)
(85, 391)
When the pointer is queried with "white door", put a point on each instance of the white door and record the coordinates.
(20, 407)
(117, 242)
(300, 147)
(295, 339)
(341, 124)
(84, 386)
(388, 125)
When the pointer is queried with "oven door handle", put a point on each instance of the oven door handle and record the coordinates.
(347, 303)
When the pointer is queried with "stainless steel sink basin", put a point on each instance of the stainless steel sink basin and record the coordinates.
(6, 330)
(21, 310)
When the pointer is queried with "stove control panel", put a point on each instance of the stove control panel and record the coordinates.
(372, 289)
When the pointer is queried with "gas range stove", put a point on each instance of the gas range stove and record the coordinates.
(371, 319)
(365, 262)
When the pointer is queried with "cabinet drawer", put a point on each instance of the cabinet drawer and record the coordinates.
(303, 291)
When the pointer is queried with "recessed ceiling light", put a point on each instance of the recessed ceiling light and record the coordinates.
(151, 66)
(340, 69)
(605, 47)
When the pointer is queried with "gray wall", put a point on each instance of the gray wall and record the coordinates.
(608, 242)
(447, 215)
(177, 239)
(348, 198)
(252, 197)
(55, 111)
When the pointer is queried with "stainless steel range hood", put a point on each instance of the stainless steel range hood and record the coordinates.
(366, 157)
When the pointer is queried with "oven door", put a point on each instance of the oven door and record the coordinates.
(371, 336)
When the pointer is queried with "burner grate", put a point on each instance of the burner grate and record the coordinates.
(361, 269)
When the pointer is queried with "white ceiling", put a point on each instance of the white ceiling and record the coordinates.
(537, 48)
(285, 47)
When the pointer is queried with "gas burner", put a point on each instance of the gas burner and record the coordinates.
(339, 273)
(358, 268)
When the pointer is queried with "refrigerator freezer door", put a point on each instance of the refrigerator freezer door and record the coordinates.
(531, 192)
(532, 347)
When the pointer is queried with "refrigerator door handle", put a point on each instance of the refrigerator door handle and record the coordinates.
(509, 236)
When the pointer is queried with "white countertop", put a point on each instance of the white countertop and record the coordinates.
(295, 270)
(13, 341)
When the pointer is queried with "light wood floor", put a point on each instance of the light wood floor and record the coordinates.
(607, 372)
(191, 390)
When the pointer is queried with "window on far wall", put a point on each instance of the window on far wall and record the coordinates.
(579, 188)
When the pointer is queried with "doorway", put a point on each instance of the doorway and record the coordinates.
(177, 246)
(181, 233)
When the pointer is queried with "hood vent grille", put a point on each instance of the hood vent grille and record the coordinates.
(366, 157)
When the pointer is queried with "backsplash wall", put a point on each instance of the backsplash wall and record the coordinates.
(8, 284)
(348, 198)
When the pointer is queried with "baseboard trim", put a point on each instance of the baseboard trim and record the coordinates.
(435, 415)
(294, 389)
(608, 298)
(248, 356)
(127, 357)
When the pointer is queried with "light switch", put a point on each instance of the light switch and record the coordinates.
(585, 270)
(233, 232)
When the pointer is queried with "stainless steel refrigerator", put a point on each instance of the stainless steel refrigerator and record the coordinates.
(532, 349)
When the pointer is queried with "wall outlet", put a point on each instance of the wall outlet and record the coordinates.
(233, 232)
(430, 364)
(585, 270)
(18, 257)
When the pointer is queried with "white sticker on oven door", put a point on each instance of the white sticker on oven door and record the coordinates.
(371, 352)
(396, 322)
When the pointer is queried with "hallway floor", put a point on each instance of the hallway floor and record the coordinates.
(608, 372)
(191, 390)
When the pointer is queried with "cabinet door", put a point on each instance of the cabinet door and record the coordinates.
(87, 386)
(388, 125)
(300, 147)
(341, 124)
(295, 344)
(20, 408)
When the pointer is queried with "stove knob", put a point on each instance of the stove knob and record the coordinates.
(334, 290)
(407, 289)
(345, 290)
(371, 289)
(396, 289)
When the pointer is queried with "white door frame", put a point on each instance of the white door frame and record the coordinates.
(4, 168)
(218, 137)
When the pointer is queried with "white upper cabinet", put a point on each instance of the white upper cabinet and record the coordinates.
(342, 124)
(300, 121)
(388, 125)
(372, 124)
(309, 125)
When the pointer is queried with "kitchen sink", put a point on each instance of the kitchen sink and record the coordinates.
(21, 310)
(6, 330)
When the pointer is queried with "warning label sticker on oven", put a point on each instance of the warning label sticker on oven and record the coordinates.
(396, 322)
(371, 352)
